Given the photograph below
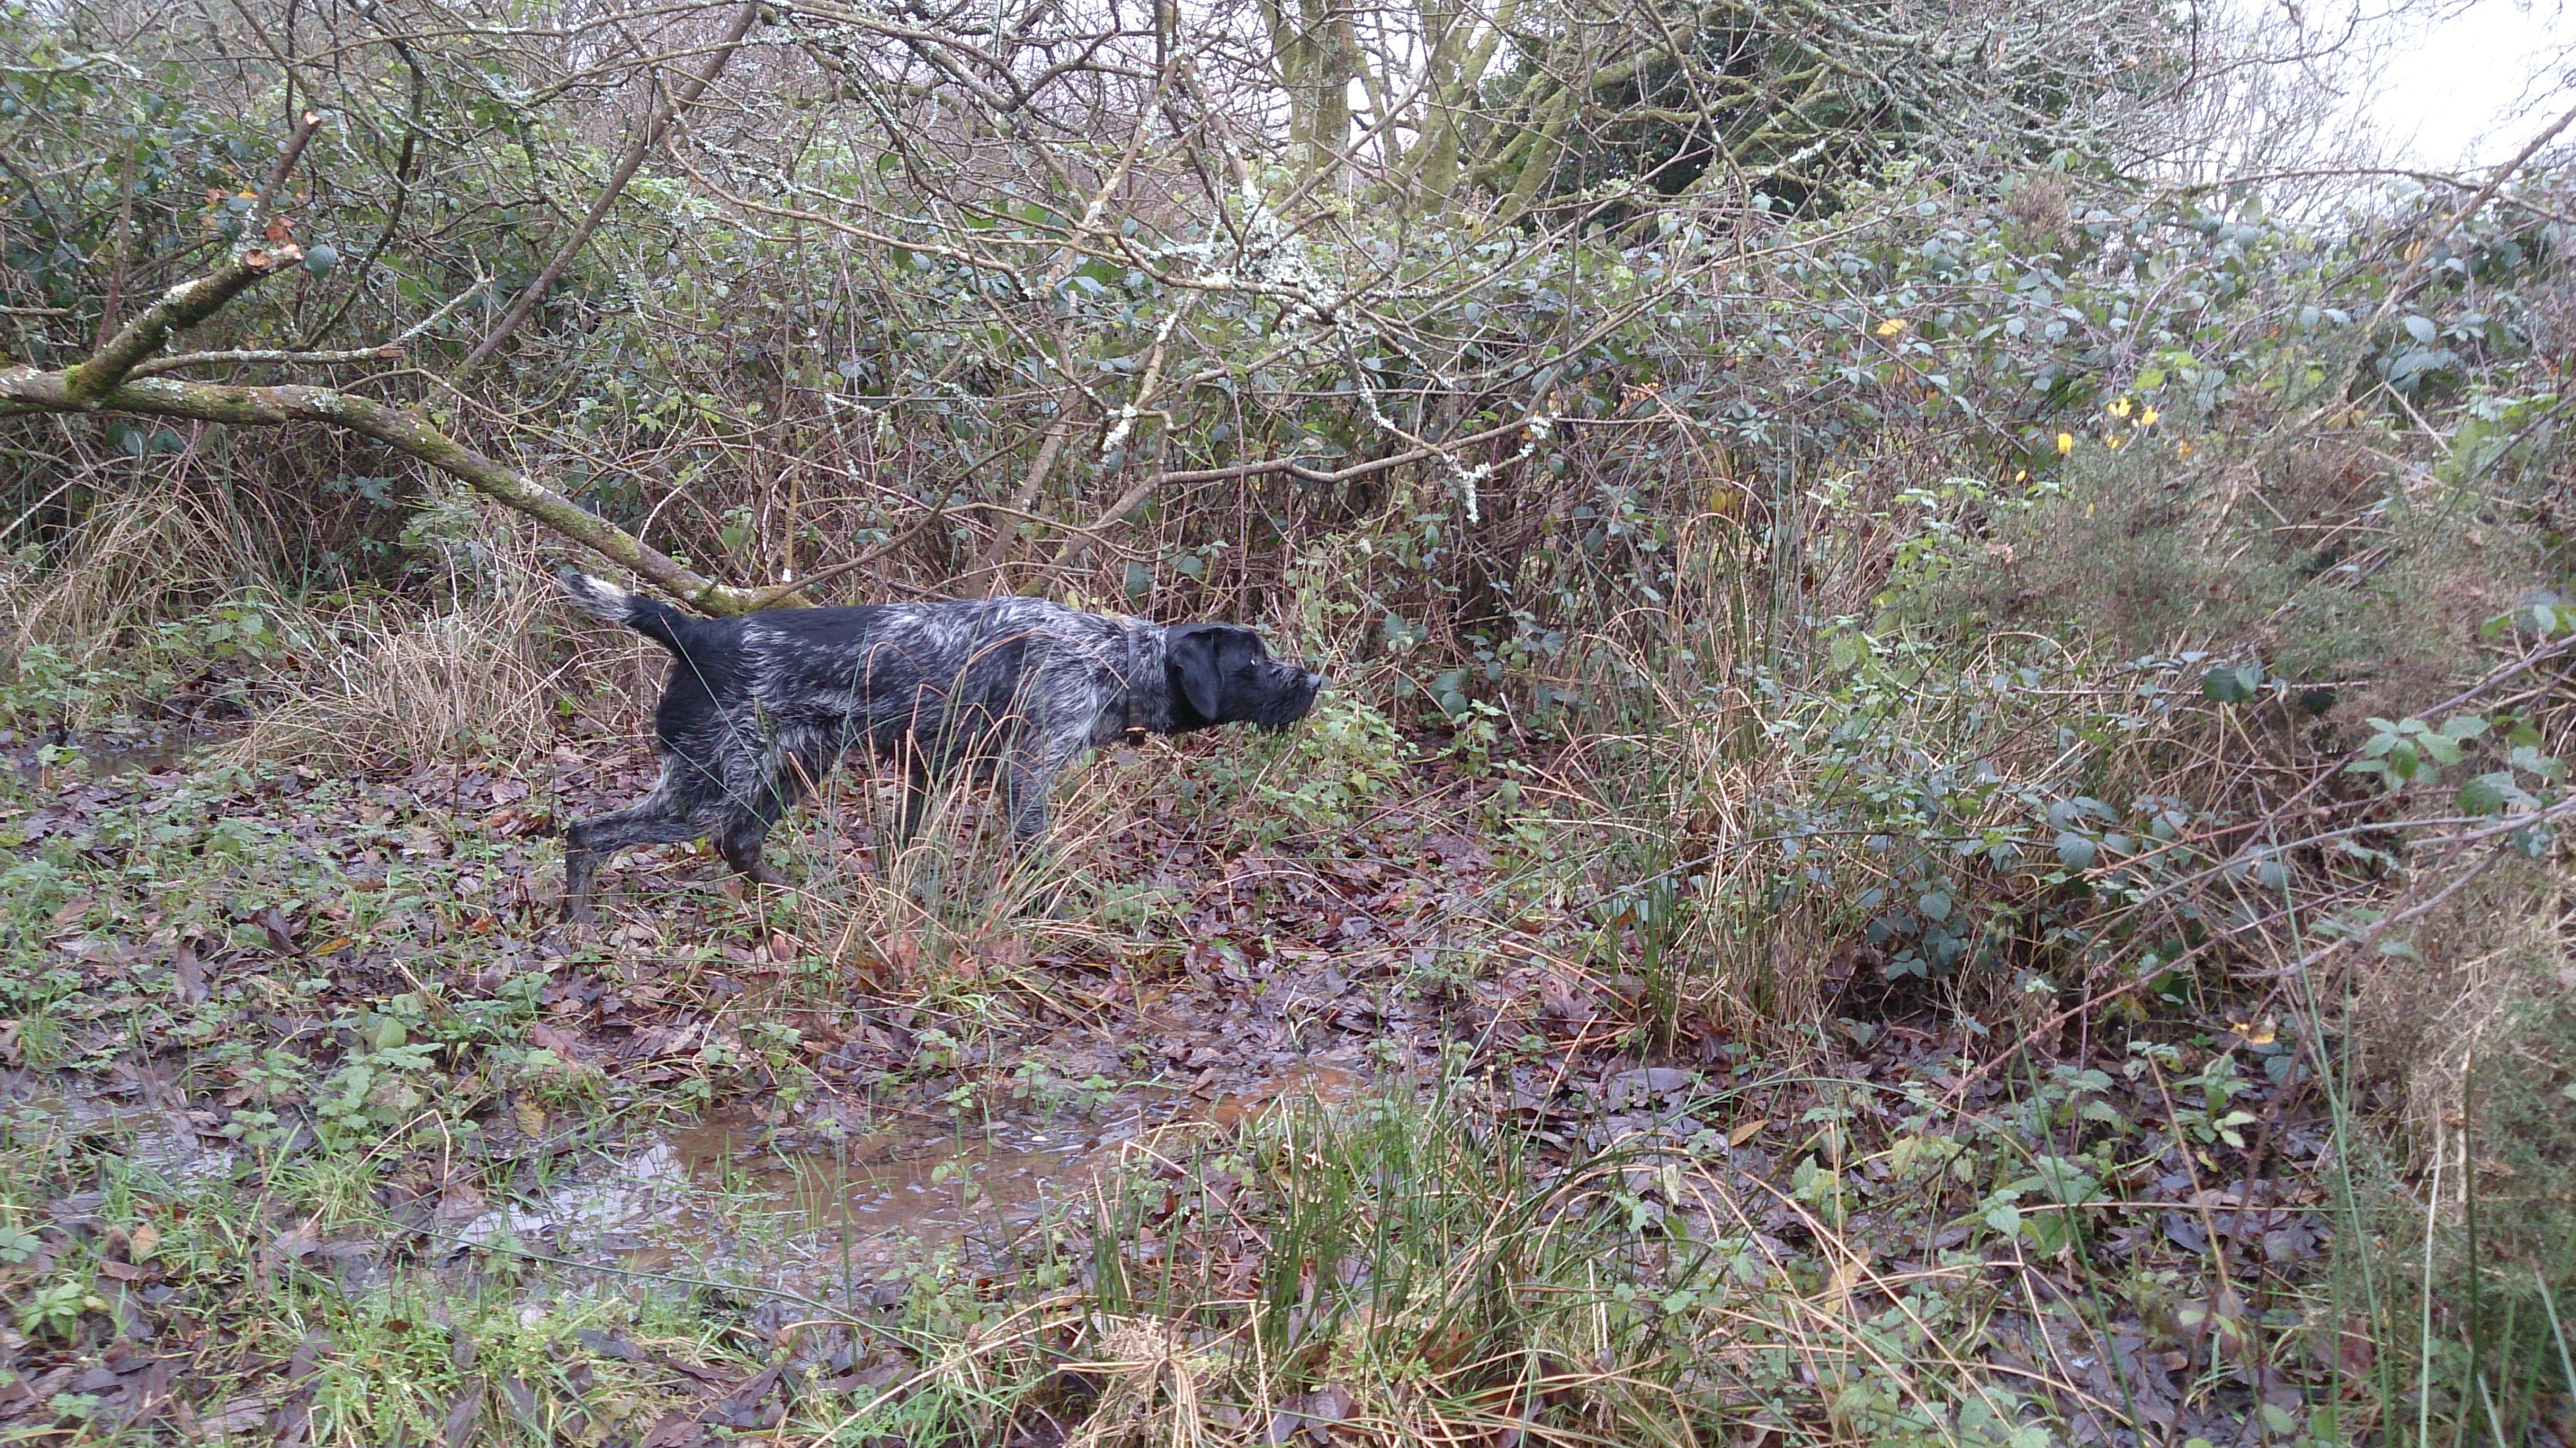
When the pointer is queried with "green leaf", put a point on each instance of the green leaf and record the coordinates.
(1935, 906)
(2004, 1217)
(2481, 796)
(2232, 683)
(2076, 851)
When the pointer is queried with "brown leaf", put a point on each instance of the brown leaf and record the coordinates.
(459, 1202)
(280, 230)
(551, 1038)
(281, 936)
(237, 1415)
(609, 1345)
(297, 1241)
(191, 972)
(463, 1417)
(676, 1430)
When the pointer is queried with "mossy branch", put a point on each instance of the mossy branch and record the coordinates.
(25, 390)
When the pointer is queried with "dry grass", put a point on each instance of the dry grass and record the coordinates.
(2424, 1016)
(473, 680)
(152, 554)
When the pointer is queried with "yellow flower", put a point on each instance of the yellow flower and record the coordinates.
(1891, 326)
(2112, 440)
(2021, 475)
(2119, 408)
(2065, 443)
(2148, 417)
(2183, 450)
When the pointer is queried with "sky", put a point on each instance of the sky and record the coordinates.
(2472, 89)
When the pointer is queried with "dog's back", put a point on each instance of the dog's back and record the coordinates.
(950, 670)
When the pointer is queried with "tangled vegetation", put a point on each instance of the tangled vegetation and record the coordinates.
(1941, 816)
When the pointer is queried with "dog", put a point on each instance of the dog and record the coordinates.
(761, 706)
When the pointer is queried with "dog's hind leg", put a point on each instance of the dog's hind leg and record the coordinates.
(747, 821)
(660, 818)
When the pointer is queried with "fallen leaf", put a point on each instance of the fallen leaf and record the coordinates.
(459, 1202)
(464, 1416)
(190, 971)
(237, 1415)
(1746, 1132)
(551, 1038)
(532, 1117)
(609, 1345)
(281, 936)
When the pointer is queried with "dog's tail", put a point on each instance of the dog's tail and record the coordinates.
(601, 599)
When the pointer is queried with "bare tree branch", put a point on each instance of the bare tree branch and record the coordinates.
(645, 140)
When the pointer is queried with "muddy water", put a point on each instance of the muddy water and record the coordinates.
(720, 1194)
(162, 1142)
(150, 755)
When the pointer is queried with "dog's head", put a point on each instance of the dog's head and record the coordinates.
(1219, 673)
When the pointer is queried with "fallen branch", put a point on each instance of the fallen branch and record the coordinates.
(25, 390)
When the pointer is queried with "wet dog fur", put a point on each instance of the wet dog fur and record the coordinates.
(760, 707)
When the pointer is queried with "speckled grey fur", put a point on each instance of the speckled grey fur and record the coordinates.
(760, 707)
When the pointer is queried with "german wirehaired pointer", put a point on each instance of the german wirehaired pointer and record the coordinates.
(760, 707)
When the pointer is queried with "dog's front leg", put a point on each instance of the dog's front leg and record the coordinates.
(1027, 780)
(915, 804)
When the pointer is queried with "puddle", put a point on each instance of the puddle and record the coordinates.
(719, 1192)
(166, 1144)
(110, 754)
(136, 756)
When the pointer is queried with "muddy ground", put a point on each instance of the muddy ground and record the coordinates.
(321, 1129)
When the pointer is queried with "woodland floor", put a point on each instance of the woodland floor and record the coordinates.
(318, 1128)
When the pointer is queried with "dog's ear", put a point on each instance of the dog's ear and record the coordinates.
(1189, 651)
(1197, 655)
